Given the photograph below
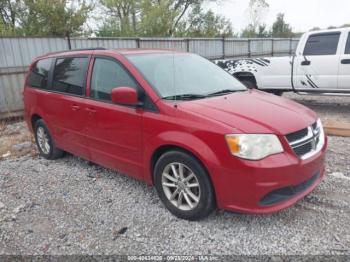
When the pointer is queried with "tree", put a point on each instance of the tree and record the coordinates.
(316, 28)
(121, 17)
(42, 17)
(257, 10)
(161, 18)
(11, 14)
(204, 24)
(280, 28)
(250, 32)
(55, 17)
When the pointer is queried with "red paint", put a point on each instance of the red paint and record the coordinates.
(125, 138)
(124, 96)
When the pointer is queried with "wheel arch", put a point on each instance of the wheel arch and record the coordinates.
(33, 119)
(246, 76)
(158, 152)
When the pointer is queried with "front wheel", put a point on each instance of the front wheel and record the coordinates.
(183, 186)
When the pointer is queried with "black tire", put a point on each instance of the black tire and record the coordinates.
(206, 203)
(276, 92)
(249, 84)
(53, 152)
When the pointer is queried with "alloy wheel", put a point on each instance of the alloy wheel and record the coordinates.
(43, 140)
(181, 186)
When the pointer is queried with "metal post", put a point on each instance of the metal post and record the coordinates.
(273, 47)
(138, 42)
(223, 48)
(249, 42)
(290, 46)
(188, 44)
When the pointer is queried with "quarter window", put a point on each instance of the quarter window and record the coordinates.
(347, 48)
(322, 44)
(108, 74)
(39, 75)
(69, 75)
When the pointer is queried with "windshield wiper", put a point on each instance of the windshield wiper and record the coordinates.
(223, 92)
(185, 97)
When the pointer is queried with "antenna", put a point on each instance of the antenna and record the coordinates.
(174, 86)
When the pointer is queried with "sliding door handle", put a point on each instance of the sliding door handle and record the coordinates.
(75, 107)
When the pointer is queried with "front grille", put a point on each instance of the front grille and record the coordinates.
(283, 194)
(308, 141)
(297, 135)
(303, 150)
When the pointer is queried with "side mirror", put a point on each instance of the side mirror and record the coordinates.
(125, 96)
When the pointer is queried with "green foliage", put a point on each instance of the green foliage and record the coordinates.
(163, 18)
(204, 24)
(42, 17)
(157, 18)
(11, 14)
(280, 28)
(257, 9)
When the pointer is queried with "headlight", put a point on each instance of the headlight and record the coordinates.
(253, 146)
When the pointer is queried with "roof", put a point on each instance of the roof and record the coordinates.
(129, 51)
(346, 29)
(124, 51)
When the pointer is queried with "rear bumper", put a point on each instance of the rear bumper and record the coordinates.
(269, 185)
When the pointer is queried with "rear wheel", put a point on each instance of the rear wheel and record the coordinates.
(184, 186)
(249, 84)
(44, 141)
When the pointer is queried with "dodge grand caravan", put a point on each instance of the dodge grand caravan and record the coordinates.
(178, 122)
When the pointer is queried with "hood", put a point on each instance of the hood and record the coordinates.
(254, 112)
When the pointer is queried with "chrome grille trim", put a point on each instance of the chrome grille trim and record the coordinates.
(314, 137)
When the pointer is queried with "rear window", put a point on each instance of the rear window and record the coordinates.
(322, 44)
(347, 48)
(39, 75)
(69, 75)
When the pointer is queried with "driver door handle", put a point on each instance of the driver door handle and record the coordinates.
(345, 61)
(306, 63)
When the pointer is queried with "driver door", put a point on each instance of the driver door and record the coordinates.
(114, 130)
(317, 67)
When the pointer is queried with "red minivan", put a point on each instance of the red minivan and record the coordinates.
(179, 122)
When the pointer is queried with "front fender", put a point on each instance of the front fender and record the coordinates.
(186, 141)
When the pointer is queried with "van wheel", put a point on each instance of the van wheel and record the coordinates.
(183, 186)
(45, 143)
(249, 84)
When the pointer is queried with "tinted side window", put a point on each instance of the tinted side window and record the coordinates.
(322, 44)
(347, 48)
(108, 74)
(39, 75)
(69, 75)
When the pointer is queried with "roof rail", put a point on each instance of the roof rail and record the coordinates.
(78, 49)
(82, 49)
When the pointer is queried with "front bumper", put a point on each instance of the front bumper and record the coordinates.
(269, 185)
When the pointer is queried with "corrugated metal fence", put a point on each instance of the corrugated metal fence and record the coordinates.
(16, 55)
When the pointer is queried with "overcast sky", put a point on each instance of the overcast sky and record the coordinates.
(302, 15)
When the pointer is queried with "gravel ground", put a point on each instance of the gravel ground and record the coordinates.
(67, 206)
(329, 108)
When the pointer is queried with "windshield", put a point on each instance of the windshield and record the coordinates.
(184, 75)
